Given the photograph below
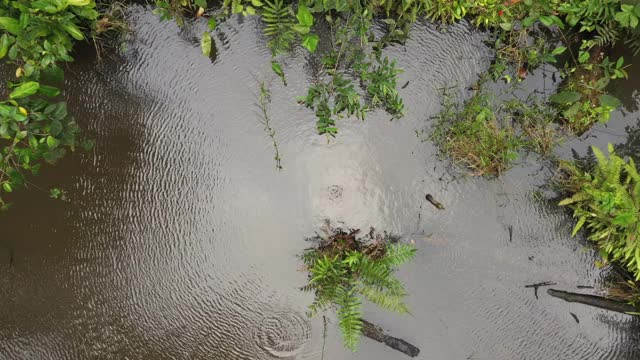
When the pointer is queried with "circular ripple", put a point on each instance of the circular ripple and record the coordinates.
(283, 334)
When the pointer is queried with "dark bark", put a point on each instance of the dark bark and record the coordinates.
(434, 202)
(373, 332)
(593, 300)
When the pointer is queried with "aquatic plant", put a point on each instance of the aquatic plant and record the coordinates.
(476, 136)
(264, 99)
(605, 200)
(344, 269)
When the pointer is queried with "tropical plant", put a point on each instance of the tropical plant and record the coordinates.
(344, 269)
(605, 200)
(36, 36)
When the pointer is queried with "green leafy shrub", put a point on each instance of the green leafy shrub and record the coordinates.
(36, 36)
(605, 199)
(344, 269)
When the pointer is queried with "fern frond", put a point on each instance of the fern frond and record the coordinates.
(606, 35)
(398, 254)
(373, 272)
(279, 26)
(349, 316)
(389, 300)
(319, 304)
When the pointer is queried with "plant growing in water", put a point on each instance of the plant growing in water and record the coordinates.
(344, 269)
(605, 199)
(473, 136)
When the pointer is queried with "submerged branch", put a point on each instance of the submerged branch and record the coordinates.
(374, 332)
(593, 300)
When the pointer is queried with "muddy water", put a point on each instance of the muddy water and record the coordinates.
(180, 238)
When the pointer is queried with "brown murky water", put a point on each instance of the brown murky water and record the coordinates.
(180, 239)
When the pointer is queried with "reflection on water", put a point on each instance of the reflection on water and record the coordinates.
(181, 240)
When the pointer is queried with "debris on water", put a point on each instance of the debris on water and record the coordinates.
(537, 285)
(584, 287)
(575, 317)
(405, 84)
(335, 192)
(510, 233)
(434, 202)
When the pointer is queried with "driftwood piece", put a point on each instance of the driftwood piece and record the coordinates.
(593, 300)
(536, 286)
(374, 332)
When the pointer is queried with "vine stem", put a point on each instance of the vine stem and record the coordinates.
(324, 335)
(566, 41)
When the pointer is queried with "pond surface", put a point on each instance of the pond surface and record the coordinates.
(181, 238)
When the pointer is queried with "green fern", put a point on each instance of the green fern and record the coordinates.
(605, 199)
(279, 21)
(349, 316)
(344, 270)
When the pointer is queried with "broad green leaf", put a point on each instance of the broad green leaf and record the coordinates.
(212, 23)
(583, 57)
(310, 41)
(546, 20)
(506, 26)
(257, 3)
(301, 29)
(565, 97)
(52, 142)
(5, 41)
(201, 3)
(73, 30)
(7, 187)
(528, 21)
(48, 91)
(24, 90)
(78, 2)
(559, 50)
(610, 101)
(205, 44)
(24, 19)
(11, 25)
(304, 16)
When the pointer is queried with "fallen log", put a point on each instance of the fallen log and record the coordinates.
(593, 300)
(376, 333)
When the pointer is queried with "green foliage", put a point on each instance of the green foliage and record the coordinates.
(279, 28)
(605, 199)
(36, 36)
(353, 60)
(264, 99)
(343, 270)
(474, 136)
